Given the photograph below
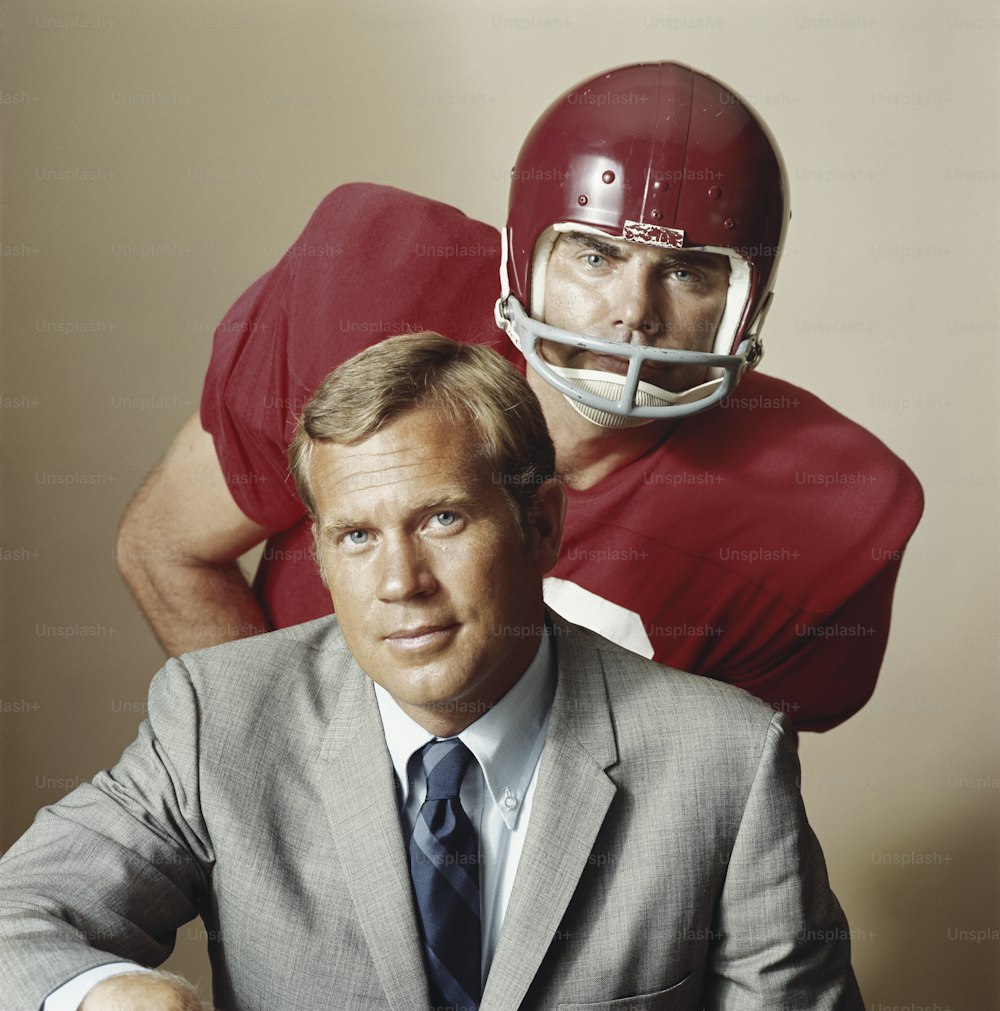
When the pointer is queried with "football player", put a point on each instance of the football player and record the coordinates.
(720, 520)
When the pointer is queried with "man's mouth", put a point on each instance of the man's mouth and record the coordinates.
(618, 366)
(422, 637)
(606, 363)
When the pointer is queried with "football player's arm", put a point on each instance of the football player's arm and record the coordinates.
(178, 545)
(782, 939)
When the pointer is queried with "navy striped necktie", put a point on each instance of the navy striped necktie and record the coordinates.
(444, 866)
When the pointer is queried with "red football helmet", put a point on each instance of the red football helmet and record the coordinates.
(654, 153)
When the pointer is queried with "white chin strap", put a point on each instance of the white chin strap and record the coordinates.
(609, 386)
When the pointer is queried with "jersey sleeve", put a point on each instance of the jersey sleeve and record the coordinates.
(819, 515)
(246, 405)
(821, 669)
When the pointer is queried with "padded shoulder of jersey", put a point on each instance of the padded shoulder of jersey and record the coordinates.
(387, 262)
(799, 481)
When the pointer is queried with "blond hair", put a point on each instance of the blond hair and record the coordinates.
(471, 386)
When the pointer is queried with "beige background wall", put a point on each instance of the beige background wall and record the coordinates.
(208, 131)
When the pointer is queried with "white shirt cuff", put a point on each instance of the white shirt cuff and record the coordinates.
(69, 996)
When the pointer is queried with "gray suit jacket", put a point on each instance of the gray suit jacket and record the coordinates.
(668, 862)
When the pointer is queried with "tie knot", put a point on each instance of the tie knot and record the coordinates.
(444, 765)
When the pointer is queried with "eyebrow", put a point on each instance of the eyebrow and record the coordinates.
(594, 243)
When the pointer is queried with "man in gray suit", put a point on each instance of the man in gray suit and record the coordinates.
(638, 839)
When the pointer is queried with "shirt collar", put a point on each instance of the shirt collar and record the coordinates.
(507, 740)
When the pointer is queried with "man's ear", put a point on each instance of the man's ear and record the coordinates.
(549, 517)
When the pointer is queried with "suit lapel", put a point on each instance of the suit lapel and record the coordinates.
(571, 799)
(361, 805)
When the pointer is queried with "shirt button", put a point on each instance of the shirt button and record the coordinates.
(509, 800)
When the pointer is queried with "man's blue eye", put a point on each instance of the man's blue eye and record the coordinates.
(358, 536)
(445, 519)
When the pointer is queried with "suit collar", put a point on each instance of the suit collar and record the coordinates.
(580, 707)
(571, 801)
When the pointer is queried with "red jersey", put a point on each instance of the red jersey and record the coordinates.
(758, 544)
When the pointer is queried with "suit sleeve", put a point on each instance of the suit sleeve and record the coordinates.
(112, 870)
(783, 940)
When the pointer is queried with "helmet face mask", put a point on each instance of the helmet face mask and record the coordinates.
(614, 401)
(657, 154)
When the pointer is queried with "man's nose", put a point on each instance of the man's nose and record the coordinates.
(639, 312)
(404, 572)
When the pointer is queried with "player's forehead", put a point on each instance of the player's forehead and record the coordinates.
(571, 241)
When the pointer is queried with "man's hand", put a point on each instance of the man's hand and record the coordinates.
(144, 991)
(178, 546)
